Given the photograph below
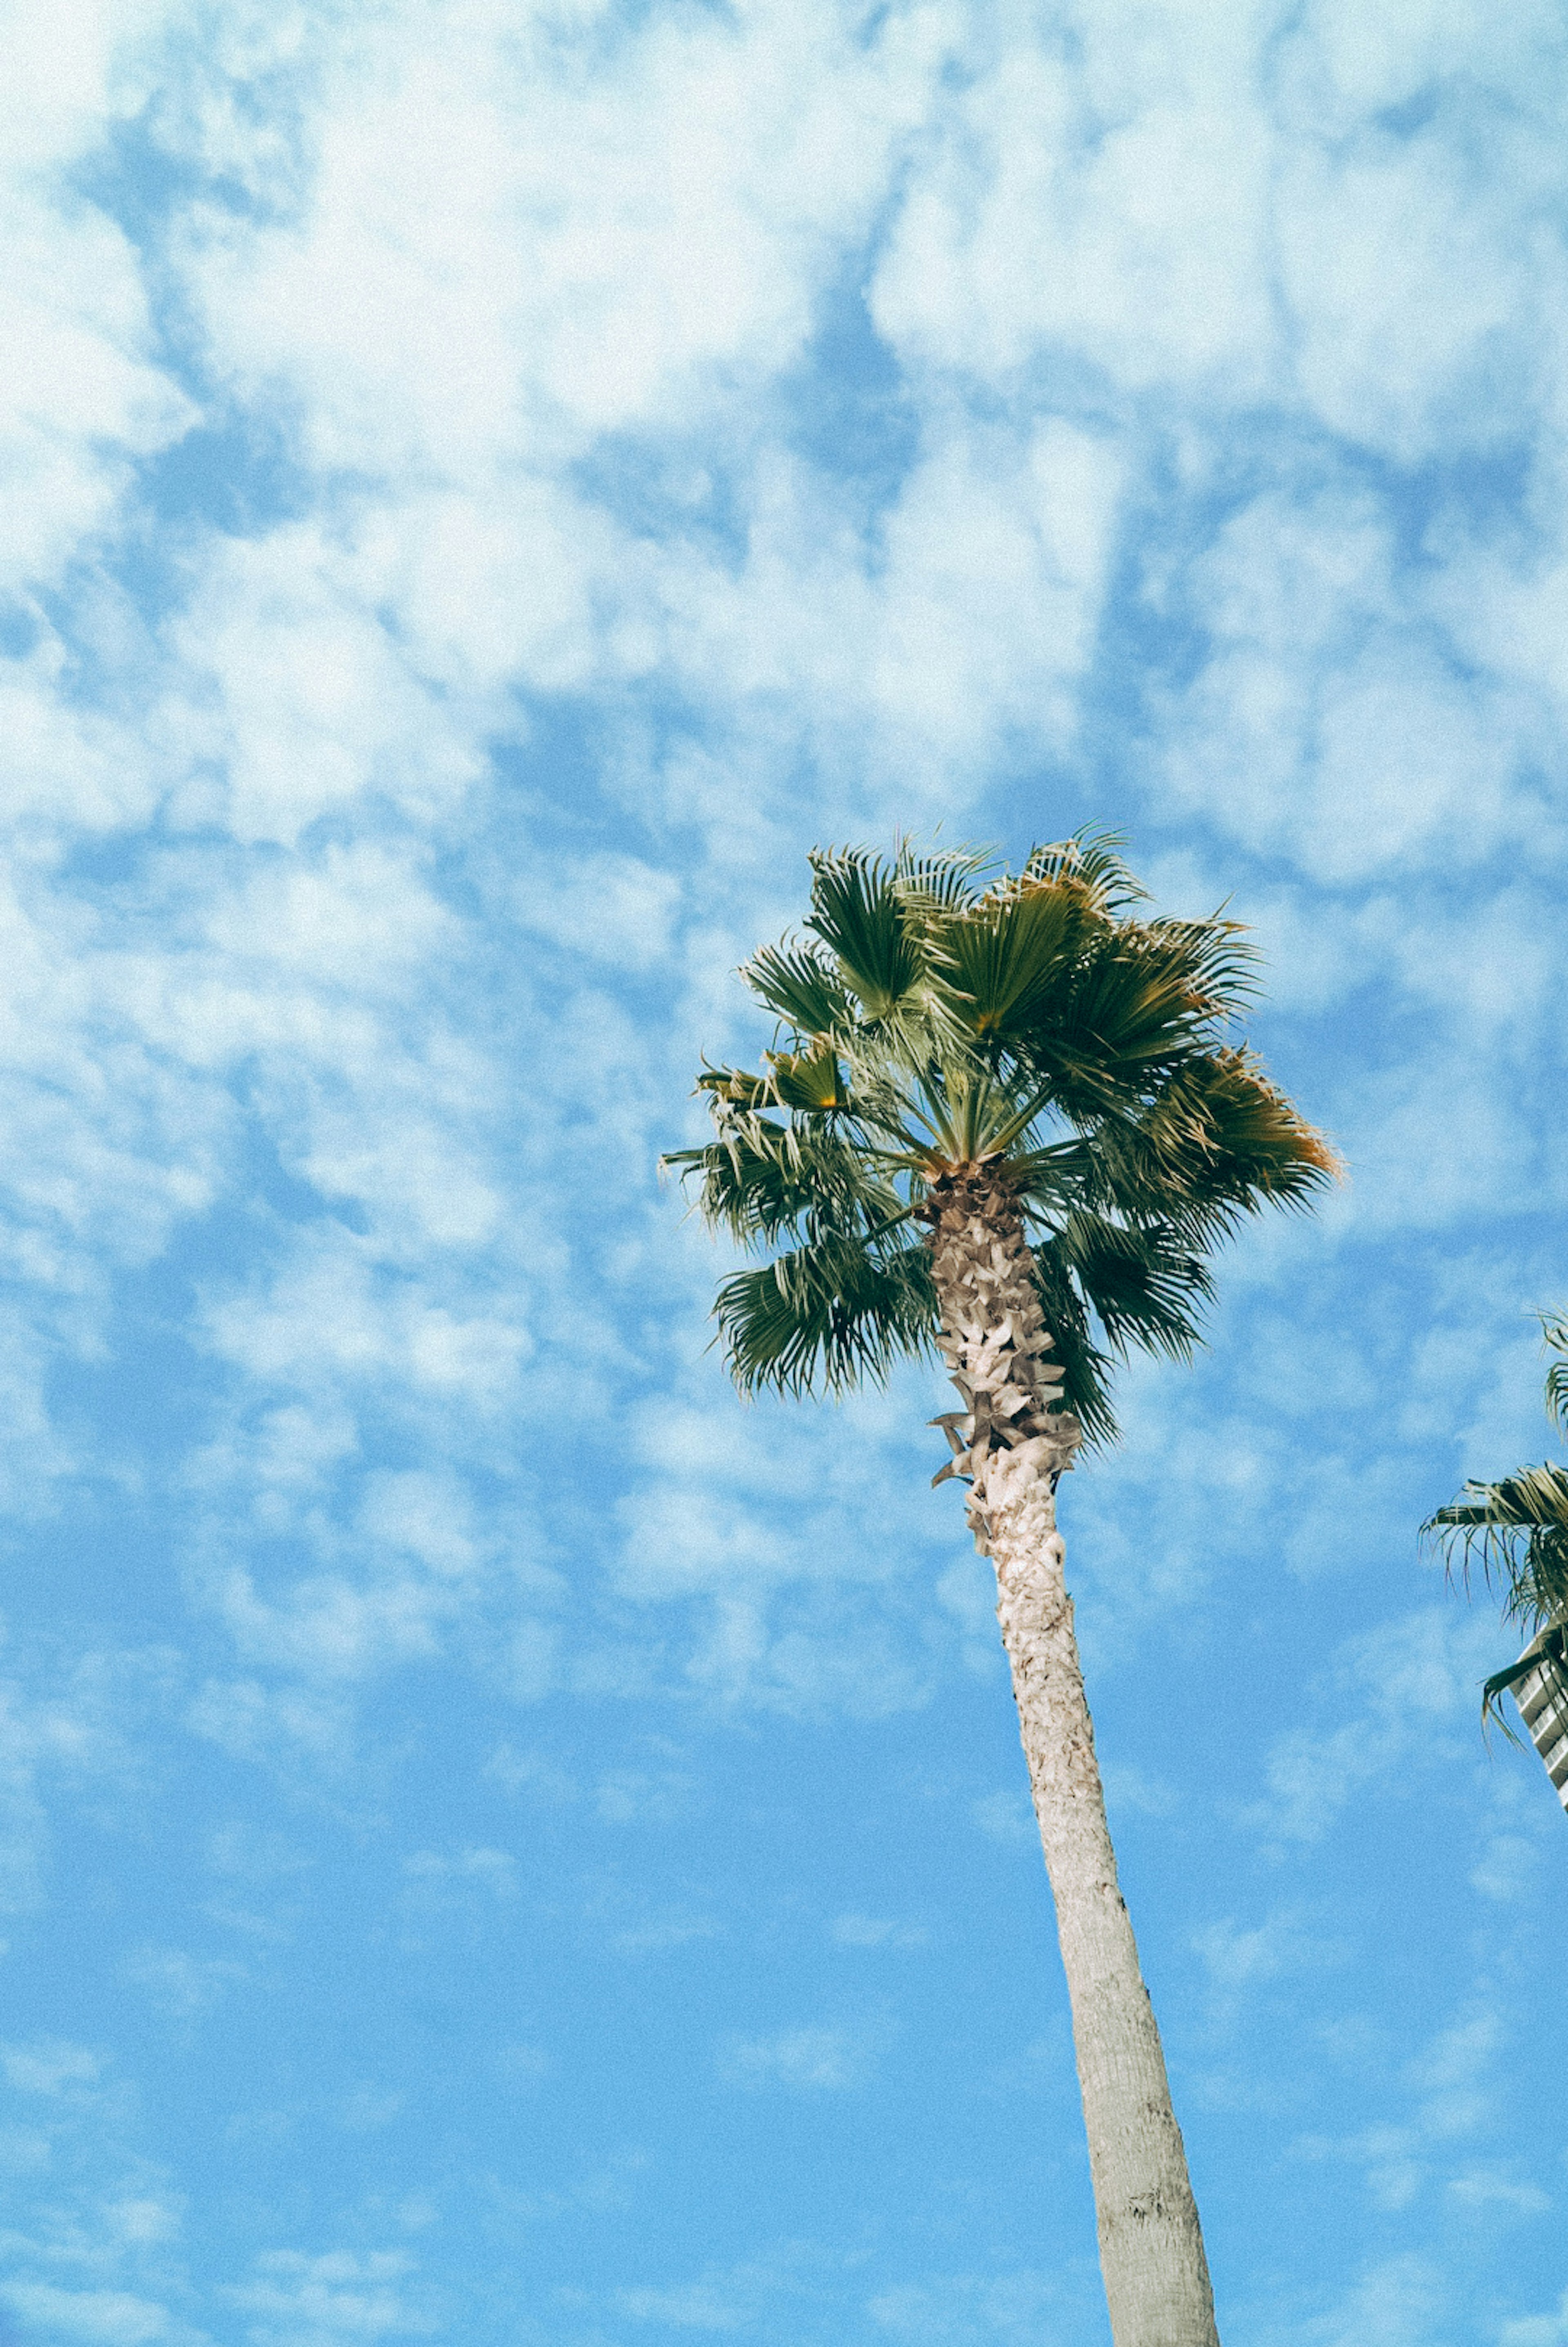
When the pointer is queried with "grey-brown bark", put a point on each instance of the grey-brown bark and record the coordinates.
(1012, 1444)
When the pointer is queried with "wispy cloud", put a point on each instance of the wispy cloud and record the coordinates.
(963, 2311)
(1415, 1682)
(116, 2318)
(297, 2298)
(815, 2059)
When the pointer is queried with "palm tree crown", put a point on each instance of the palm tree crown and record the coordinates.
(944, 1020)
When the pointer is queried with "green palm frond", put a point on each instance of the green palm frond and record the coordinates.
(800, 985)
(1555, 1332)
(733, 1087)
(827, 1315)
(1516, 1531)
(811, 1080)
(1213, 961)
(762, 1181)
(941, 881)
(1090, 862)
(1214, 1139)
(1086, 1387)
(1551, 1646)
(1059, 1173)
(1151, 989)
(1257, 1148)
(1146, 1290)
(968, 1111)
(1005, 958)
(1142, 1000)
(857, 912)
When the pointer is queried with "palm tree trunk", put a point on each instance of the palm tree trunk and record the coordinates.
(1012, 1445)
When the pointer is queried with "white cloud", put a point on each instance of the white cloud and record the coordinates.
(1330, 718)
(109, 2317)
(995, 565)
(691, 2306)
(777, 1520)
(646, 231)
(431, 1875)
(84, 395)
(1369, 63)
(876, 1931)
(79, 1727)
(1452, 2074)
(1006, 1817)
(1418, 313)
(1488, 2188)
(674, 1930)
(1105, 194)
(179, 1982)
(50, 2065)
(751, 2297)
(1416, 1681)
(967, 2310)
(1402, 2303)
(810, 2060)
(656, 1797)
(65, 79)
(1238, 1955)
(1431, 2110)
(145, 2219)
(1536, 2330)
(365, 2110)
(298, 696)
(298, 2300)
(612, 907)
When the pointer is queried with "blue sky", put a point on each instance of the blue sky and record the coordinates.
(500, 1843)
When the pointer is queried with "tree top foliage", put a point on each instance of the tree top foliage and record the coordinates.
(944, 1019)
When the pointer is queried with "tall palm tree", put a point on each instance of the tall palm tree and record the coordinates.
(1003, 1121)
(1517, 1530)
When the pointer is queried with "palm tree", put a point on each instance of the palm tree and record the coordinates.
(1003, 1121)
(1517, 1529)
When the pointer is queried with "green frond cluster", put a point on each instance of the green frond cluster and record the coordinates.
(1515, 1530)
(1554, 1330)
(941, 1014)
(829, 1313)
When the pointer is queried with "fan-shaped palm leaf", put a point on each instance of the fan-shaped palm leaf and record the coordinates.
(799, 984)
(1004, 957)
(826, 1317)
(858, 912)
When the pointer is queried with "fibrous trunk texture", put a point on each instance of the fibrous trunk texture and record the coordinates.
(1012, 1445)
